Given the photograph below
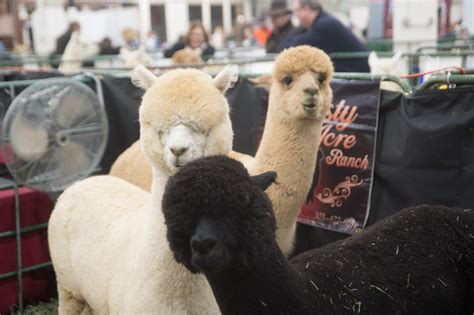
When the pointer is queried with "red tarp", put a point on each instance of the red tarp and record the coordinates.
(35, 208)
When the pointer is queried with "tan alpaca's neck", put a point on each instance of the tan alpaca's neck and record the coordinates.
(293, 157)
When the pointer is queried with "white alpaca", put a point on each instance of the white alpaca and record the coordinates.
(76, 50)
(387, 66)
(428, 64)
(300, 97)
(107, 237)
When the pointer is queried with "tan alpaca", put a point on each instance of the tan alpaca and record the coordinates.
(292, 133)
(290, 140)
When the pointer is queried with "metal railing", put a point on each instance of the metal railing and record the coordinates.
(6, 183)
(442, 50)
(17, 233)
(446, 80)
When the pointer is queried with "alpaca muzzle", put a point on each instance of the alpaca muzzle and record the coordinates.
(206, 253)
(310, 104)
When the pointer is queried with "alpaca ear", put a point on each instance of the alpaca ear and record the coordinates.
(263, 81)
(396, 58)
(264, 180)
(373, 58)
(142, 77)
(226, 78)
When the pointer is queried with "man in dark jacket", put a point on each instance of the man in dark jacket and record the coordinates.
(282, 26)
(327, 33)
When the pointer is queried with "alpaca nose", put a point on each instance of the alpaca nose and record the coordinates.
(178, 151)
(311, 90)
(203, 245)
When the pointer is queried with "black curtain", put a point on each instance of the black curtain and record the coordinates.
(424, 150)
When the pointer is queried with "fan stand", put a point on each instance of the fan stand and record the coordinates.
(62, 139)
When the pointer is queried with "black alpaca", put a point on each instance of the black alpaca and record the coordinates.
(221, 223)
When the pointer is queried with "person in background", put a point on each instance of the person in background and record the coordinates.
(153, 41)
(453, 29)
(262, 31)
(218, 37)
(196, 38)
(61, 41)
(106, 48)
(248, 38)
(325, 32)
(282, 26)
(130, 37)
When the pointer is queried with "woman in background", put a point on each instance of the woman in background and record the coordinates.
(196, 38)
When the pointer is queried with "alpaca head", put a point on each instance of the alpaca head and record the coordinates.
(75, 51)
(184, 115)
(300, 88)
(217, 216)
(385, 66)
(187, 56)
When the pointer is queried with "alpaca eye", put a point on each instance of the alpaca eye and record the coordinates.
(287, 80)
(161, 134)
(322, 78)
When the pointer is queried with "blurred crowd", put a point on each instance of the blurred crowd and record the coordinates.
(274, 30)
(303, 22)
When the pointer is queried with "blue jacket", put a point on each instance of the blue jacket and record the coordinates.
(330, 35)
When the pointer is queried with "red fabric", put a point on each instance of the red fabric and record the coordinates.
(35, 208)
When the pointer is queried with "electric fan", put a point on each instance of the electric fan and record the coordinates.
(54, 133)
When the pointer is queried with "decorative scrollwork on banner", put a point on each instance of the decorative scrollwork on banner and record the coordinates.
(340, 193)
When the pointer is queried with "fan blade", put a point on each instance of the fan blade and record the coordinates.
(28, 140)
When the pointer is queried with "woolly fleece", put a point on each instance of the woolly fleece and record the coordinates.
(107, 237)
(419, 261)
(290, 140)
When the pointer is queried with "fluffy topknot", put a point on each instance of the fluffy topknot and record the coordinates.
(187, 95)
(302, 58)
(210, 184)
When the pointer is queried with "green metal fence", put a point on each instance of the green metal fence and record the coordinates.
(441, 50)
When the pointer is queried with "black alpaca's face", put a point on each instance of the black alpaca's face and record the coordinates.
(218, 217)
(231, 240)
(213, 245)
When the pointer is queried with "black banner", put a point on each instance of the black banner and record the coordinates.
(342, 182)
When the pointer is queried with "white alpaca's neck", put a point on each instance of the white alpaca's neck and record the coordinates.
(154, 229)
(290, 148)
(159, 181)
(166, 287)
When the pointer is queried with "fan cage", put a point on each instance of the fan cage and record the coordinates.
(12, 87)
(54, 134)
